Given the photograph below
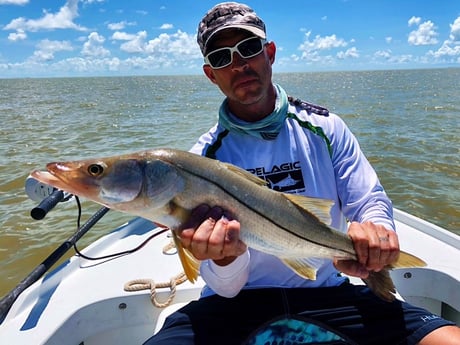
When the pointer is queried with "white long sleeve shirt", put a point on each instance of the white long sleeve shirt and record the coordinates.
(313, 155)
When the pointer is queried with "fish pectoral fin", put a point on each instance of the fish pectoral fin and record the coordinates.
(320, 208)
(302, 267)
(189, 263)
(245, 174)
(406, 260)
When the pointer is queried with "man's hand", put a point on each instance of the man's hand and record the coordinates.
(375, 246)
(209, 234)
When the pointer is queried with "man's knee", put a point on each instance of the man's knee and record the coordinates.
(447, 335)
(177, 329)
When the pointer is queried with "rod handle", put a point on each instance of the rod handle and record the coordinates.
(47, 204)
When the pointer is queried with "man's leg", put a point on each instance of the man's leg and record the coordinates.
(447, 335)
(177, 329)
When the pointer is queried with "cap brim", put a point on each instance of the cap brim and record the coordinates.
(256, 31)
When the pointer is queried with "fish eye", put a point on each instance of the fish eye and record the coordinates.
(95, 169)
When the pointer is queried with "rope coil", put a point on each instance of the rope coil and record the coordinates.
(149, 284)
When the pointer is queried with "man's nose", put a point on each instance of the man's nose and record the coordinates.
(238, 61)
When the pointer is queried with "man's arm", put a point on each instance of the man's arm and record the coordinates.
(365, 203)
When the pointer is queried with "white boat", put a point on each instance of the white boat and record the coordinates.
(84, 302)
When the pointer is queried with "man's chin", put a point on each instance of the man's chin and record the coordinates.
(248, 94)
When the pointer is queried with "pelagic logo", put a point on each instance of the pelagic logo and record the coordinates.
(286, 177)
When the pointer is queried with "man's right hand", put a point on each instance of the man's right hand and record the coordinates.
(210, 234)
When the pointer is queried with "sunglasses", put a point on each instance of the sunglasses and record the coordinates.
(247, 49)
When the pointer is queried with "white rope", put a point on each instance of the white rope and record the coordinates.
(149, 284)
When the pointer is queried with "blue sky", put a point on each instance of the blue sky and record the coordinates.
(64, 38)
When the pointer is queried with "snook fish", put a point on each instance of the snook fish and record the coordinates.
(164, 185)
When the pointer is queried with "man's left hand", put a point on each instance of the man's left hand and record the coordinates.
(376, 247)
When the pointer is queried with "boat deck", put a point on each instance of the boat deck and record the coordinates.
(84, 302)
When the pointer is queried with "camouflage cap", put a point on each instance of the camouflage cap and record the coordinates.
(225, 16)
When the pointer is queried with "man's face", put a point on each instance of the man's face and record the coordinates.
(245, 81)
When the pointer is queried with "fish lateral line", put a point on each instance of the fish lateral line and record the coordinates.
(237, 198)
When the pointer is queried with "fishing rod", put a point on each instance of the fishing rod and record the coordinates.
(47, 204)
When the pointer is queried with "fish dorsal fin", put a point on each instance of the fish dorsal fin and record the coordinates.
(189, 263)
(245, 174)
(320, 208)
(302, 267)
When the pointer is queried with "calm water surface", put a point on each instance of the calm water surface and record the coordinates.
(406, 121)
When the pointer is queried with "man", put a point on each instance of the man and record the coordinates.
(300, 148)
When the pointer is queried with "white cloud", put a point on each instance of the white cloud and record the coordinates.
(455, 31)
(450, 48)
(82, 65)
(388, 39)
(122, 36)
(54, 45)
(42, 56)
(96, 66)
(387, 56)
(60, 20)
(136, 44)
(384, 54)
(349, 53)
(321, 43)
(311, 48)
(424, 35)
(17, 36)
(46, 49)
(446, 50)
(117, 26)
(414, 21)
(120, 25)
(181, 45)
(164, 54)
(93, 47)
(14, 2)
(166, 26)
(403, 59)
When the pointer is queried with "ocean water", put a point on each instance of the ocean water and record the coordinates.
(407, 122)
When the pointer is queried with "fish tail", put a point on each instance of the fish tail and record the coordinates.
(381, 284)
(406, 260)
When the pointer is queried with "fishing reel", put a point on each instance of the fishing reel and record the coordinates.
(46, 195)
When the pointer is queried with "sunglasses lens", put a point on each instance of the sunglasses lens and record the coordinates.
(220, 58)
(250, 47)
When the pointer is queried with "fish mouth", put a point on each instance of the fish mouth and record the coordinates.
(46, 177)
(64, 178)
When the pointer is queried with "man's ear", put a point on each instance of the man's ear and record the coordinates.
(209, 72)
(271, 51)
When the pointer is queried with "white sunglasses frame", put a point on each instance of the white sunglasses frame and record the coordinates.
(235, 49)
